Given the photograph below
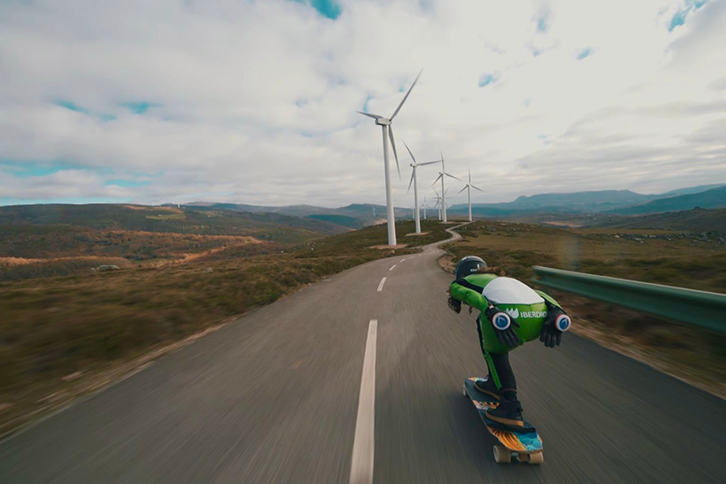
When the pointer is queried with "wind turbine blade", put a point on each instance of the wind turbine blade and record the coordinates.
(428, 163)
(463, 189)
(477, 188)
(437, 193)
(395, 154)
(454, 177)
(406, 96)
(447, 191)
(409, 151)
(437, 179)
(413, 173)
(469, 175)
(374, 116)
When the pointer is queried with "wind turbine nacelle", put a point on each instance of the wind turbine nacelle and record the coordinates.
(383, 122)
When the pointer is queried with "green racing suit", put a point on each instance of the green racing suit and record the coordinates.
(523, 304)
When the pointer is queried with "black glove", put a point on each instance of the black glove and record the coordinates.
(502, 327)
(454, 304)
(556, 323)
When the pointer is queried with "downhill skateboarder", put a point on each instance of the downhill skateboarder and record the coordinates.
(512, 313)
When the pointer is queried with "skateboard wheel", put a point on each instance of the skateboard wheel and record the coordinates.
(537, 458)
(502, 455)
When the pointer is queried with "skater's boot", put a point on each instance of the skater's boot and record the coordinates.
(509, 411)
(488, 387)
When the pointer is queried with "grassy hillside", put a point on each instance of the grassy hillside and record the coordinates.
(697, 221)
(200, 221)
(49, 236)
(362, 213)
(62, 334)
(343, 220)
(645, 255)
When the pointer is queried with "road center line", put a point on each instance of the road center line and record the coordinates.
(394, 266)
(361, 469)
(402, 260)
(380, 286)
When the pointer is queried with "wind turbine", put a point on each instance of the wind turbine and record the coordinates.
(440, 203)
(424, 206)
(414, 180)
(442, 176)
(386, 125)
(468, 187)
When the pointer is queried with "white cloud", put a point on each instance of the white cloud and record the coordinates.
(256, 100)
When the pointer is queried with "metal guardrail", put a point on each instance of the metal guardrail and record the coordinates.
(701, 308)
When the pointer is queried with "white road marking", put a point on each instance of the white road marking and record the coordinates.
(380, 286)
(361, 469)
(403, 260)
(394, 266)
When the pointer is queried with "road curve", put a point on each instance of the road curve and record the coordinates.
(274, 397)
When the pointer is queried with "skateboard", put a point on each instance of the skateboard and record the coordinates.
(525, 446)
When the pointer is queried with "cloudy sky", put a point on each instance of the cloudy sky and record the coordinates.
(254, 101)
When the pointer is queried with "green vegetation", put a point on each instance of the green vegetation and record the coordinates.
(344, 220)
(55, 327)
(180, 220)
(698, 220)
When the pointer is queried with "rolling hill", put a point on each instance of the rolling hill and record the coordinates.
(605, 201)
(690, 190)
(61, 235)
(697, 220)
(577, 202)
(182, 220)
(714, 198)
(354, 216)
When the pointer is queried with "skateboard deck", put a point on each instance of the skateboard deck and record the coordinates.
(526, 446)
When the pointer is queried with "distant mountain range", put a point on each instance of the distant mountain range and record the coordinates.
(623, 202)
(713, 198)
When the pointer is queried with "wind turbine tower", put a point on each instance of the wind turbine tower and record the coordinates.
(441, 177)
(387, 129)
(414, 180)
(438, 203)
(424, 206)
(468, 188)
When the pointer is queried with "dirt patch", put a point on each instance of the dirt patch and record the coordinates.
(17, 261)
(389, 247)
(417, 235)
(564, 224)
(446, 262)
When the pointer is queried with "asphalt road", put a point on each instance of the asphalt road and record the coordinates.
(274, 397)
